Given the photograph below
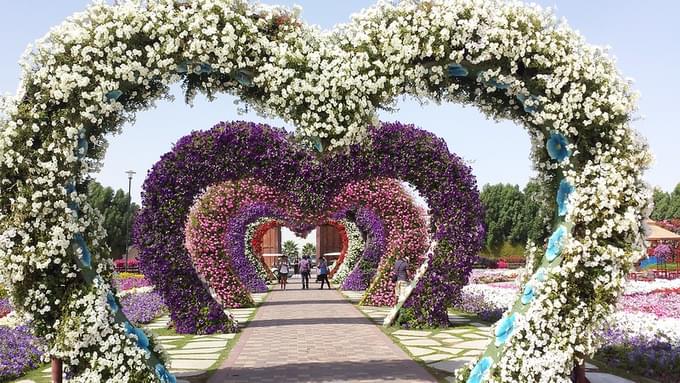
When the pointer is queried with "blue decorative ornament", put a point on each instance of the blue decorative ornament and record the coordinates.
(540, 274)
(111, 301)
(142, 339)
(86, 257)
(129, 328)
(527, 294)
(523, 100)
(480, 370)
(456, 70)
(563, 193)
(504, 329)
(555, 244)
(113, 95)
(70, 188)
(244, 77)
(75, 210)
(318, 145)
(206, 68)
(557, 147)
(182, 67)
(84, 145)
(164, 375)
(492, 82)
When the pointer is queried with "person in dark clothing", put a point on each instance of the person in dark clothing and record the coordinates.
(401, 275)
(305, 268)
(323, 272)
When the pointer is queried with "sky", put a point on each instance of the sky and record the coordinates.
(643, 36)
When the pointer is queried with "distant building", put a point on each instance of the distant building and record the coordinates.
(328, 243)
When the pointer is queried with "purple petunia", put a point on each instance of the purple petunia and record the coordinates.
(239, 150)
(20, 351)
(143, 308)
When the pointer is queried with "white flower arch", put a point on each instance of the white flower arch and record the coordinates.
(90, 74)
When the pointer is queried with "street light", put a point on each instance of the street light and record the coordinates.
(129, 173)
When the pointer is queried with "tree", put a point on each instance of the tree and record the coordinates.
(534, 217)
(513, 216)
(503, 205)
(666, 205)
(117, 212)
(308, 249)
(661, 204)
(291, 250)
(674, 203)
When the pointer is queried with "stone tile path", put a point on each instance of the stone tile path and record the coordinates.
(315, 336)
(446, 350)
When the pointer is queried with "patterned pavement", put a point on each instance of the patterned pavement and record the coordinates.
(443, 351)
(315, 336)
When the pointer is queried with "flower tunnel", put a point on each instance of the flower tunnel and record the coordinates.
(510, 60)
(240, 172)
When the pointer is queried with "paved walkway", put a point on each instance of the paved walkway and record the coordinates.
(315, 336)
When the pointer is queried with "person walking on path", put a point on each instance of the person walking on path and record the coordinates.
(305, 268)
(400, 275)
(284, 267)
(323, 272)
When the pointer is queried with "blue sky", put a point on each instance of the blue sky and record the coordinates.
(642, 35)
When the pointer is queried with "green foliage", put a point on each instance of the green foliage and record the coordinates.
(666, 205)
(308, 249)
(513, 216)
(117, 212)
(291, 250)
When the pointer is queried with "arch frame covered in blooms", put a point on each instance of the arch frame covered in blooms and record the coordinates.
(512, 61)
(212, 179)
(215, 233)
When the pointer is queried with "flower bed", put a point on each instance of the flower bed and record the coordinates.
(642, 337)
(643, 344)
(127, 281)
(143, 307)
(493, 275)
(20, 351)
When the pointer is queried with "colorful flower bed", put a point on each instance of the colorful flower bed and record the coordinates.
(127, 281)
(642, 337)
(494, 275)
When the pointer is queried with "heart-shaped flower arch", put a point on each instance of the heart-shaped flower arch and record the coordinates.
(217, 223)
(512, 61)
(296, 186)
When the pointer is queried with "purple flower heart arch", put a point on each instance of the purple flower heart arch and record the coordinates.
(240, 150)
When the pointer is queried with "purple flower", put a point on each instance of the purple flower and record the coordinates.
(143, 307)
(238, 150)
(20, 351)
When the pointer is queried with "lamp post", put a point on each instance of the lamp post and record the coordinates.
(129, 173)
